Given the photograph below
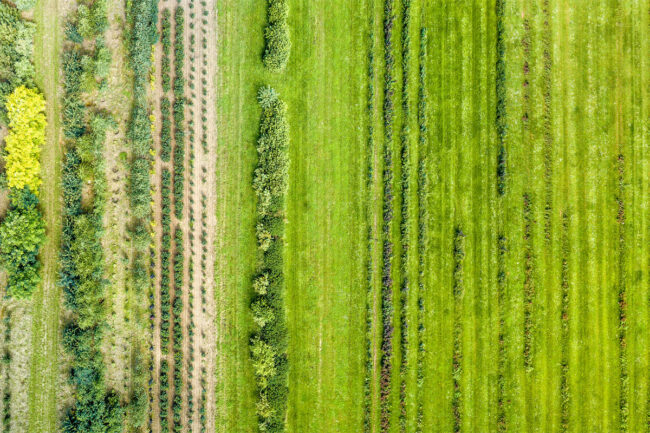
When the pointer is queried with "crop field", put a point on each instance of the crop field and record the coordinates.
(310, 216)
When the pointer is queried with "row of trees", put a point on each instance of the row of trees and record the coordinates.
(268, 344)
(179, 112)
(405, 223)
(457, 360)
(22, 232)
(387, 254)
(22, 108)
(141, 34)
(276, 36)
(16, 52)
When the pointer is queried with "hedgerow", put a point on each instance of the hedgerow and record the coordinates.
(423, 215)
(500, 88)
(268, 343)
(457, 361)
(22, 232)
(276, 36)
(405, 207)
(26, 114)
(165, 130)
(179, 113)
(16, 52)
(165, 248)
(387, 253)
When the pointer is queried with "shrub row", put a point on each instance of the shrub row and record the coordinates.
(165, 39)
(500, 89)
(16, 51)
(529, 282)
(276, 36)
(268, 344)
(165, 248)
(387, 279)
(178, 330)
(6, 360)
(565, 395)
(142, 15)
(179, 113)
(457, 361)
(423, 218)
(405, 222)
(165, 129)
(22, 232)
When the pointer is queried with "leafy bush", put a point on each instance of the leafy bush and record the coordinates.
(26, 113)
(16, 51)
(21, 235)
(276, 35)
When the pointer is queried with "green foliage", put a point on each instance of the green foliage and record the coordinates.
(276, 35)
(26, 113)
(269, 343)
(24, 5)
(16, 52)
(21, 235)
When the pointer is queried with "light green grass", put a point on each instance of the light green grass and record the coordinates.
(44, 375)
(598, 107)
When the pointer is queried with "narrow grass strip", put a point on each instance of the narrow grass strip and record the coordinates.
(370, 145)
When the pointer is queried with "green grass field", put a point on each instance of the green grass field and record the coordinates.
(466, 231)
(550, 329)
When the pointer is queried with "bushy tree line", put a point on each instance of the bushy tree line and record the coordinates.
(387, 268)
(165, 105)
(96, 408)
(405, 223)
(16, 52)
(142, 15)
(26, 114)
(423, 217)
(276, 36)
(177, 329)
(165, 249)
(165, 39)
(22, 232)
(179, 113)
(457, 360)
(500, 89)
(268, 344)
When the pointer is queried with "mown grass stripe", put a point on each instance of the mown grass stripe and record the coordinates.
(370, 147)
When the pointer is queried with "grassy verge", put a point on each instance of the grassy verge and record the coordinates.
(44, 374)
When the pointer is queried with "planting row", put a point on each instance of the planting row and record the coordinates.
(268, 344)
(82, 260)
(405, 224)
(387, 253)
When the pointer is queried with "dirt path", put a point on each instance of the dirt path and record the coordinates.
(43, 385)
